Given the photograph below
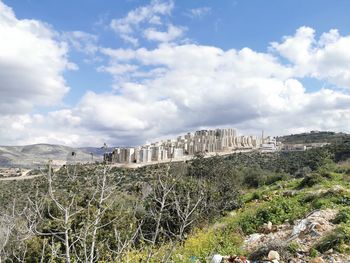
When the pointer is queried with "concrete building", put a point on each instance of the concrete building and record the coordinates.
(269, 144)
(203, 141)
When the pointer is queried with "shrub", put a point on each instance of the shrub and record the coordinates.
(339, 240)
(256, 195)
(275, 177)
(342, 217)
(313, 252)
(260, 254)
(293, 247)
(276, 211)
(310, 180)
(254, 177)
(331, 198)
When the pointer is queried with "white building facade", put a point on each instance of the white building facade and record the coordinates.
(203, 141)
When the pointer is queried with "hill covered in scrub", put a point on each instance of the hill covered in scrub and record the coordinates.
(314, 137)
(302, 219)
(245, 205)
(32, 155)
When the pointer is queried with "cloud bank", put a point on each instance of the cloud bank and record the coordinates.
(170, 89)
(31, 64)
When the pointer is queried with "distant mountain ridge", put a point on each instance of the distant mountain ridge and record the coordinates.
(36, 154)
(314, 137)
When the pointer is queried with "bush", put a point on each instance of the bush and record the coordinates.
(342, 217)
(310, 180)
(333, 197)
(260, 254)
(273, 178)
(339, 240)
(256, 195)
(253, 177)
(276, 211)
(313, 252)
(293, 247)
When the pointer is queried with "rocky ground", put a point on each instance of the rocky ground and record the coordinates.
(295, 241)
(300, 236)
(274, 242)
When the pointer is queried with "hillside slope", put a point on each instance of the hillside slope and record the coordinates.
(243, 205)
(314, 137)
(303, 220)
(31, 155)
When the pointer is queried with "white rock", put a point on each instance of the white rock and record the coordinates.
(269, 225)
(253, 238)
(300, 227)
(273, 255)
(216, 258)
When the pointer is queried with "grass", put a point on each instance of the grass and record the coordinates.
(268, 204)
(293, 247)
(338, 240)
(343, 216)
(276, 211)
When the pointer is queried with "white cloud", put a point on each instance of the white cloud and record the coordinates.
(171, 34)
(151, 13)
(81, 41)
(118, 69)
(156, 20)
(297, 49)
(198, 12)
(326, 58)
(173, 88)
(58, 127)
(132, 40)
(201, 86)
(31, 64)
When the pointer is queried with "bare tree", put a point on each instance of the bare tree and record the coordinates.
(71, 226)
(173, 211)
(102, 199)
(14, 231)
(80, 224)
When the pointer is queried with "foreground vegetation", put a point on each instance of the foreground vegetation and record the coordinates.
(171, 213)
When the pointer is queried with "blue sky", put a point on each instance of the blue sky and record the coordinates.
(131, 71)
(227, 24)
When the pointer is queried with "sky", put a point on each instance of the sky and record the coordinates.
(129, 72)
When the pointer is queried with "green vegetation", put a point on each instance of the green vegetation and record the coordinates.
(276, 211)
(339, 240)
(343, 216)
(314, 137)
(178, 212)
(293, 247)
(311, 180)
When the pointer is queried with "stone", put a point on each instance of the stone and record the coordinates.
(266, 228)
(273, 255)
(269, 226)
(318, 226)
(317, 260)
(330, 251)
(217, 259)
(253, 238)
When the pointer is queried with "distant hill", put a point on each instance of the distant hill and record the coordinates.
(96, 151)
(36, 154)
(314, 137)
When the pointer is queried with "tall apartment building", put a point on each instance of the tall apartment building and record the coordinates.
(204, 141)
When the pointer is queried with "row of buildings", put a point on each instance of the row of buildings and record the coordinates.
(204, 141)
